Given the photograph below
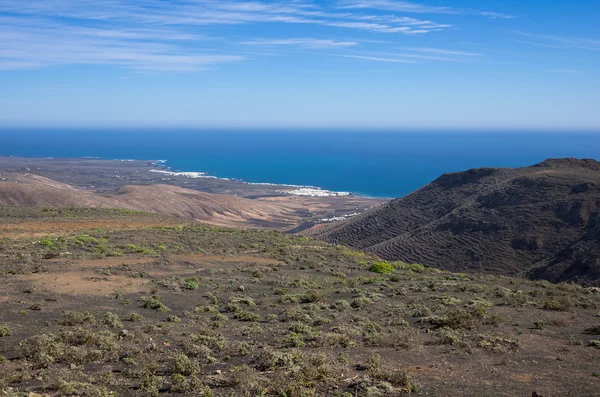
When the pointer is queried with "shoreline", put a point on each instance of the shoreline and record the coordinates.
(298, 190)
(166, 170)
(223, 201)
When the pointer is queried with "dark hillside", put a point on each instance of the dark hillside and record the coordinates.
(540, 220)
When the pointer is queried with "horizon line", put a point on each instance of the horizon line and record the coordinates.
(134, 125)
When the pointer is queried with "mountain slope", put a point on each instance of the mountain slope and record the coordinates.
(218, 209)
(541, 219)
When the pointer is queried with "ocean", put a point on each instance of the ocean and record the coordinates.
(370, 163)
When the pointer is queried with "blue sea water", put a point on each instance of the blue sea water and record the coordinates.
(371, 163)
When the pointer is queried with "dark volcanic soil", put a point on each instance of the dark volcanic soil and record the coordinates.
(120, 303)
(542, 221)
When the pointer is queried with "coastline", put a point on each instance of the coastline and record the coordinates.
(160, 167)
(288, 189)
(148, 184)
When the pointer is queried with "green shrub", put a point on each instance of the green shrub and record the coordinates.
(498, 343)
(463, 318)
(5, 331)
(293, 340)
(382, 268)
(448, 336)
(77, 318)
(134, 317)
(341, 305)
(269, 360)
(42, 350)
(310, 297)
(360, 301)
(272, 318)
(46, 241)
(191, 283)
(248, 381)
(418, 310)
(133, 248)
(152, 384)
(85, 239)
(181, 364)
(302, 329)
(414, 267)
(111, 320)
(244, 315)
(153, 302)
(539, 324)
(189, 385)
(561, 303)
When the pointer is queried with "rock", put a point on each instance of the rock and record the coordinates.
(218, 372)
(124, 333)
(241, 288)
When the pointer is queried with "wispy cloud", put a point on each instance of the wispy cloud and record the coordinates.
(301, 42)
(160, 35)
(443, 51)
(497, 15)
(392, 5)
(50, 44)
(565, 42)
(545, 45)
(378, 59)
(418, 55)
(416, 8)
(211, 12)
(172, 35)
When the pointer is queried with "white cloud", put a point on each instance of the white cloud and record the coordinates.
(443, 51)
(164, 35)
(49, 44)
(497, 15)
(416, 8)
(418, 55)
(206, 12)
(300, 42)
(378, 59)
(545, 45)
(392, 5)
(565, 42)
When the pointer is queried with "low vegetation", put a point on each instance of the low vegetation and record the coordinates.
(220, 312)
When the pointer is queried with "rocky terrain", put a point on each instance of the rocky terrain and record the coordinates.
(113, 302)
(541, 221)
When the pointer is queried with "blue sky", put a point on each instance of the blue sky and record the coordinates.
(358, 63)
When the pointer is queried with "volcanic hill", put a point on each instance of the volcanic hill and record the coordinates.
(541, 221)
